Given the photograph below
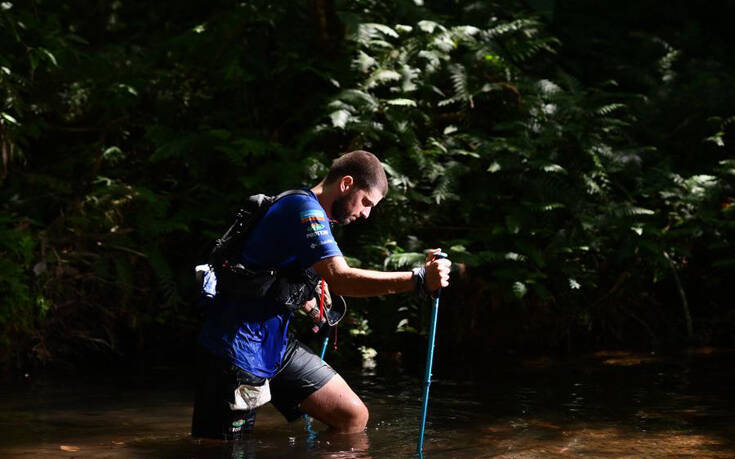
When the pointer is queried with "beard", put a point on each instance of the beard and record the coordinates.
(340, 209)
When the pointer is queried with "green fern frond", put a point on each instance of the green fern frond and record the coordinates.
(433, 60)
(382, 76)
(631, 211)
(369, 34)
(403, 260)
(401, 102)
(512, 27)
(430, 26)
(165, 275)
(458, 75)
(519, 289)
(363, 62)
(360, 100)
(606, 110)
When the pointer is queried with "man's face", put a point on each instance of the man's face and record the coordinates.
(354, 204)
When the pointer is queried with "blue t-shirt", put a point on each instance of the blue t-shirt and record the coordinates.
(253, 334)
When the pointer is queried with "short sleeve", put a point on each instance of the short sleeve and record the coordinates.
(311, 237)
(294, 229)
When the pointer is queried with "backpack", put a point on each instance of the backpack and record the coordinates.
(290, 286)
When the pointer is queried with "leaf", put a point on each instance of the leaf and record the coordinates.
(339, 118)
(382, 76)
(353, 262)
(494, 167)
(433, 59)
(49, 56)
(401, 102)
(128, 89)
(512, 256)
(8, 118)
(729, 263)
(430, 26)
(465, 31)
(382, 28)
(519, 289)
(363, 61)
(555, 168)
(403, 260)
(632, 211)
(113, 155)
(359, 99)
(607, 109)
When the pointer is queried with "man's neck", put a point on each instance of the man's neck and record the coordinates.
(324, 197)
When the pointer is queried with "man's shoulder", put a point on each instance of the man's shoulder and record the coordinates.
(298, 202)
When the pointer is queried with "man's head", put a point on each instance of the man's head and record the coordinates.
(359, 182)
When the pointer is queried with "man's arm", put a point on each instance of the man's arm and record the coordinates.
(346, 281)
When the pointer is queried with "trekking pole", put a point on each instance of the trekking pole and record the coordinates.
(429, 362)
(325, 341)
(307, 419)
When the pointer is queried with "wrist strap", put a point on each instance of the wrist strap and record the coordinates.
(419, 278)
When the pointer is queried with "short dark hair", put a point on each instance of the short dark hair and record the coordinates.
(363, 166)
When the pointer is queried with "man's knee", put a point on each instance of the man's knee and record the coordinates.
(357, 419)
(361, 416)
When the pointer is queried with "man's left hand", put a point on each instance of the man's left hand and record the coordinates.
(437, 271)
(311, 308)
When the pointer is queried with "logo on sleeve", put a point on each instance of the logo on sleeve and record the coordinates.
(316, 244)
(312, 216)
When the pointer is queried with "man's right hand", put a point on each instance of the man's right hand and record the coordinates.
(437, 271)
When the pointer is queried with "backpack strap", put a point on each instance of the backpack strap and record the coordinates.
(289, 193)
(260, 203)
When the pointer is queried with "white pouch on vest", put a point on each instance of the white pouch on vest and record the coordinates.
(251, 397)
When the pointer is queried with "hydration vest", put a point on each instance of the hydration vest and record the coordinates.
(290, 286)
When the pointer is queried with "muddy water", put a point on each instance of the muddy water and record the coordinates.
(609, 404)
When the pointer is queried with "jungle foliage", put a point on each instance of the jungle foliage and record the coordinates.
(576, 162)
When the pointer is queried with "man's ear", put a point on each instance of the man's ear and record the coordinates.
(346, 183)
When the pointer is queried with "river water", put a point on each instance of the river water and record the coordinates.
(610, 404)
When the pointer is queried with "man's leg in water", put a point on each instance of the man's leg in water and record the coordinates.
(336, 405)
(308, 384)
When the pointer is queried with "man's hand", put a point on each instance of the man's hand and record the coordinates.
(311, 308)
(437, 271)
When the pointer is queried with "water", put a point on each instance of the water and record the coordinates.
(609, 404)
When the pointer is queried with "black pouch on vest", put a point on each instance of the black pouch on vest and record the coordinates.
(289, 287)
(240, 282)
(294, 287)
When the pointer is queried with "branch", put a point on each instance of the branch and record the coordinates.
(682, 295)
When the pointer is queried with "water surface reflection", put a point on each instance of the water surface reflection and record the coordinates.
(609, 404)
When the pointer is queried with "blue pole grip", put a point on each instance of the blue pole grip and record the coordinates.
(436, 294)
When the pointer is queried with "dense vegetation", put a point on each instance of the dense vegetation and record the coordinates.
(575, 160)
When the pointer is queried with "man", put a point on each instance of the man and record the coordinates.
(246, 355)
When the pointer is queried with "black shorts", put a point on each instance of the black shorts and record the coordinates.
(302, 374)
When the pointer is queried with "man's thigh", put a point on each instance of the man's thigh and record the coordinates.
(303, 374)
(337, 405)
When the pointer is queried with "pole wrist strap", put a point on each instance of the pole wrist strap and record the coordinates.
(419, 278)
